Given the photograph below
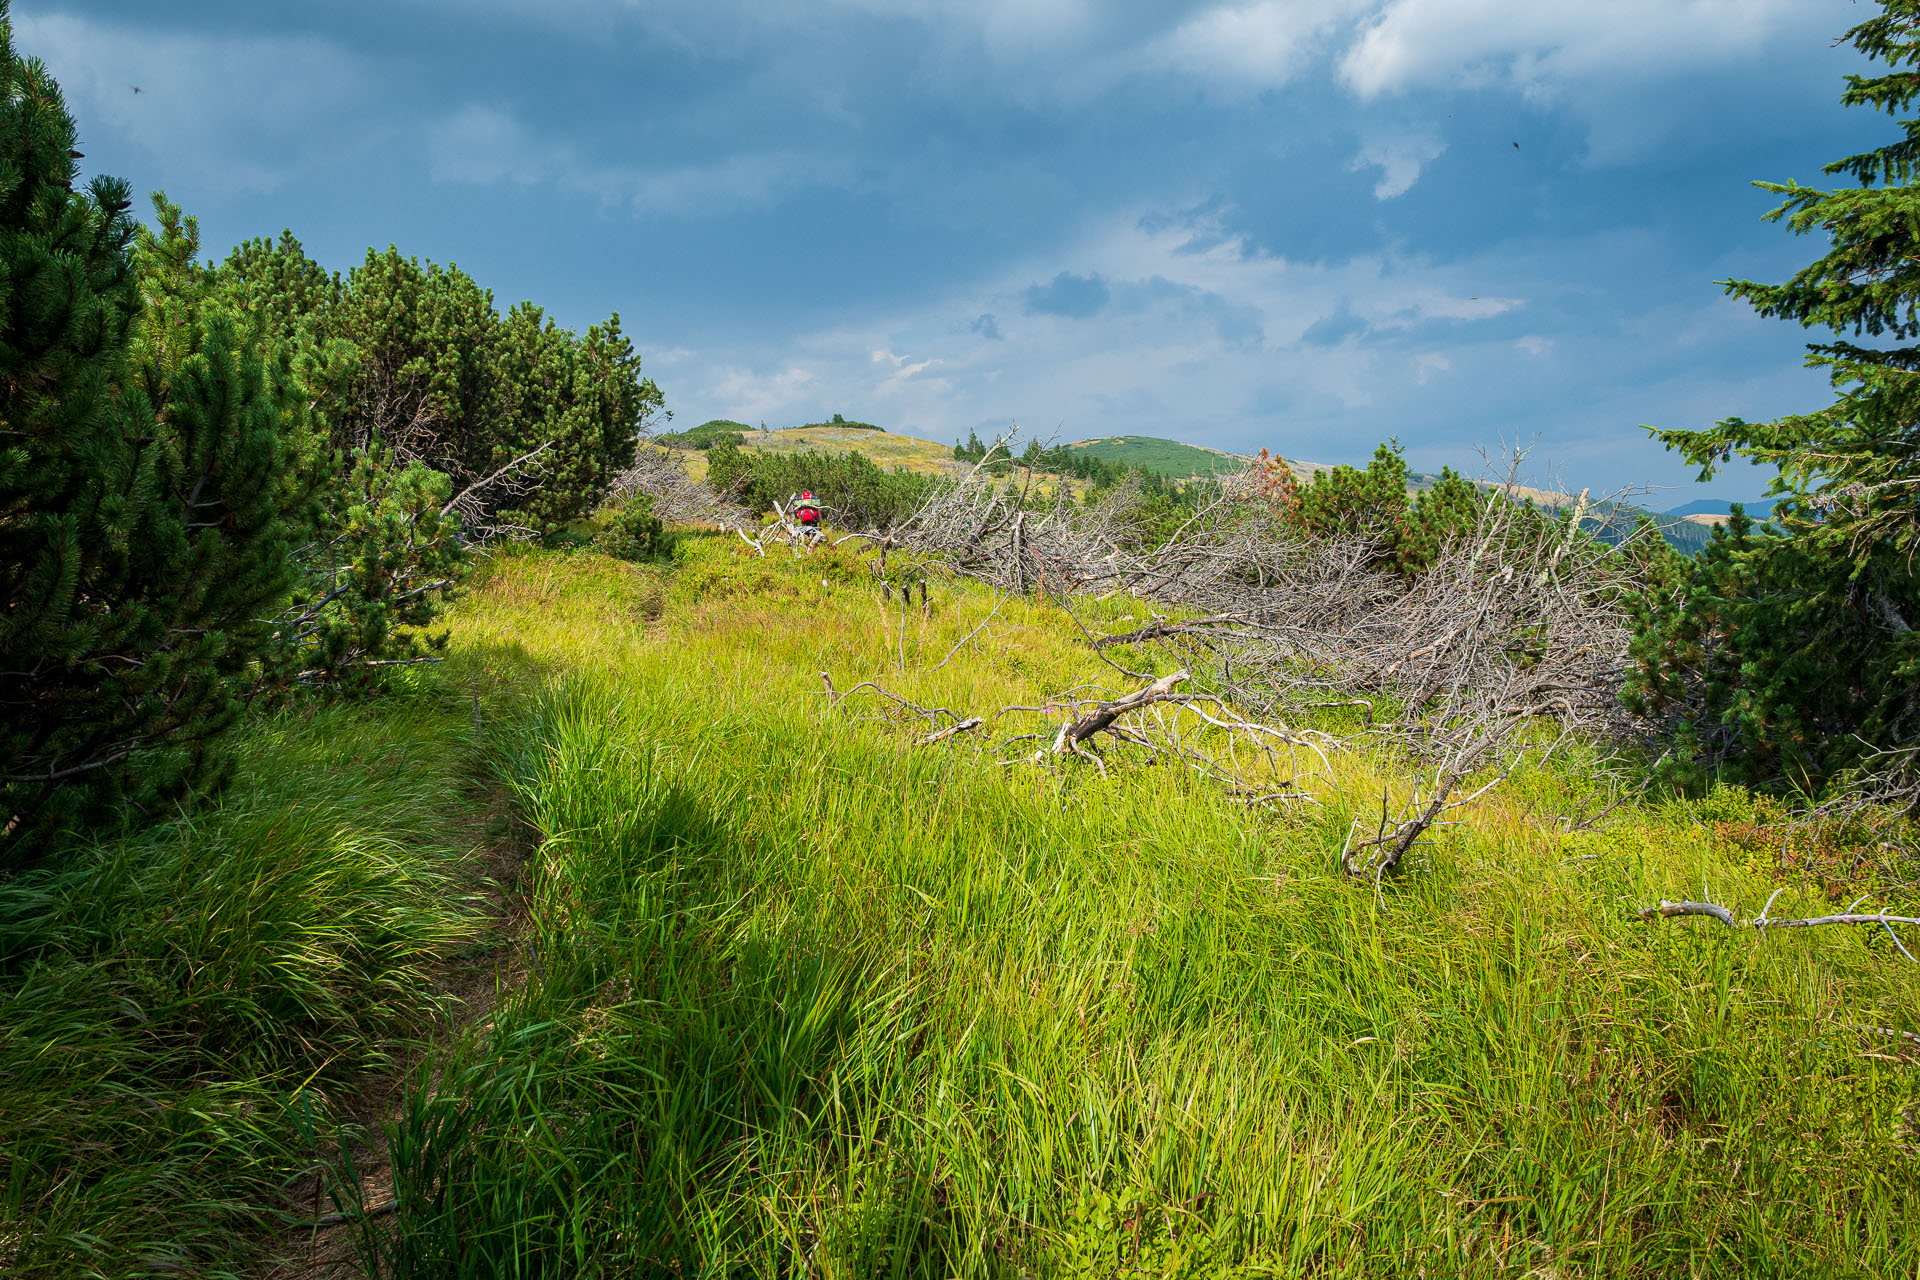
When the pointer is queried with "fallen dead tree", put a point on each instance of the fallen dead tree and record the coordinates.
(1196, 730)
(1075, 733)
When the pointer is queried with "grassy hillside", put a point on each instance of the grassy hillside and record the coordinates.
(789, 995)
(1168, 457)
(887, 448)
(904, 1011)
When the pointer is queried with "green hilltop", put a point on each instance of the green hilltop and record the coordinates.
(1170, 458)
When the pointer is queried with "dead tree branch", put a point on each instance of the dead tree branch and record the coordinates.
(965, 726)
(898, 710)
(1765, 920)
(1074, 734)
(967, 638)
(467, 501)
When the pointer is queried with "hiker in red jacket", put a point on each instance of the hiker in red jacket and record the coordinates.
(807, 511)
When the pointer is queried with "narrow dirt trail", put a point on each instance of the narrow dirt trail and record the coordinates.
(470, 983)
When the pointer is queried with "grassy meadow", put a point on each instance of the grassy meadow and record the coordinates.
(888, 449)
(783, 994)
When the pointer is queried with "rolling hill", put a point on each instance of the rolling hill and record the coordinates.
(1687, 531)
(1168, 457)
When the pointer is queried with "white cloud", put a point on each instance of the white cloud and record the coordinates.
(484, 146)
(1264, 43)
(1535, 345)
(755, 397)
(1422, 304)
(218, 114)
(1191, 339)
(904, 368)
(1531, 43)
(1009, 28)
(1400, 160)
(817, 59)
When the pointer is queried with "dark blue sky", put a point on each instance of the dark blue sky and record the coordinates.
(1304, 224)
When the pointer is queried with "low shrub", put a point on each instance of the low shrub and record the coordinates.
(842, 424)
(633, 532)
(853, 488)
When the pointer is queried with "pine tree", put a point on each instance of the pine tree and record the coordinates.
(141, 485)
(1789, 654)
(1439, 516)
(68, 291)
(379, 553)
(280, 286)
(622, 402)
(426, 382)
(210, 412)
(1408, 533)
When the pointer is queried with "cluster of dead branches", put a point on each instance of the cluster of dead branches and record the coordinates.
(1168, 723)
(1524, 617)
(1513, 640)
(677, 497)
(480, 502)
(1884, 792)
(935, 724)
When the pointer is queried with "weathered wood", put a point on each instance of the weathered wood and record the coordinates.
(965, 726)
(1073, 735)
(1165, 630)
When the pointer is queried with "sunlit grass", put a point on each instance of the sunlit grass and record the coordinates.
(802, 998)
(810, 1000)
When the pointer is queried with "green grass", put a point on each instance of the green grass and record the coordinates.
(183, 1011)
(808, 1000)
(1168, 457)
(800, 998)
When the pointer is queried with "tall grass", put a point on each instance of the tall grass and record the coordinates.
(181, 1012)
(806, 1000)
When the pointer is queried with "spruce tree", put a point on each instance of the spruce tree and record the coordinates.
(1789, 653)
